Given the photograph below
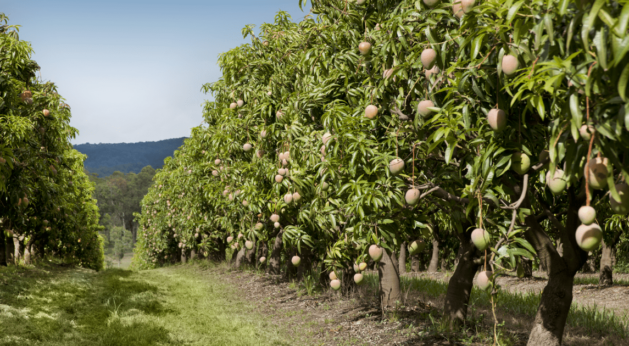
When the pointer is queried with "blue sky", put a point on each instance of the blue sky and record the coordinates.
(132, 70)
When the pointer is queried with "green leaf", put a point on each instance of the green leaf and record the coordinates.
(521, 252)
(589, 21)
(577, 116)
(601, 48)
(563, 7)
(525, 244)
(610, 22)
(622, 82)
(548, 23)
(612, 186)
(623, 20)
(493, 198)
(476, 44)
(627, 116)
(513, 11)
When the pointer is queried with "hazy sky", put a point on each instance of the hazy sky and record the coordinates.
(132, 70)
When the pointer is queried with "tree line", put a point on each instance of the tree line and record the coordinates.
(118, 198)
(106, 158)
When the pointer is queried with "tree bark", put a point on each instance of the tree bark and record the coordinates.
(263, 250)
(27, 253)
(274, 261)
(193, 254)
(9, 250)
(16, 249)
(348, 285)
(240, 257)
(525, 268)
(554, 306)
(250, 255)
(402, 259)
(388, 271)
(461, 282)
(415, 263)
(588, 266)
(607, 265)
(291, 270)
(306, 263)
(434, 260)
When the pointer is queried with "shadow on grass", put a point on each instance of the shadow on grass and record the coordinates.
(57, 305)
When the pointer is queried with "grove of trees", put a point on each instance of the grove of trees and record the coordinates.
(46, 204)
(372, 127)
(118, 197)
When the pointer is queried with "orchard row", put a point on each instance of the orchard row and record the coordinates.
(351, 137)
(46, 204)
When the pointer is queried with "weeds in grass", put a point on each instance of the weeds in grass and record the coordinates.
(310, 284)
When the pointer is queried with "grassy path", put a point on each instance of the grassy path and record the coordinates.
(168, 306)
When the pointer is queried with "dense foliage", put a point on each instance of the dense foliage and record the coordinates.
(106, 158)
(381, 121)
(46, 204)
(118, 197)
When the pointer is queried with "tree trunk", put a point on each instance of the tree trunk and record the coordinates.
(263, 250)
(250, 255)
(559, 247)
(444, 264)
(348, 285)
(240, 257)
(183, 256)
(27, 253)
(232, 260)
(16, 249)
(553, 311)
(3, 249)
(388, 270)
(588, 266)
(554, 306)
(274, 261)
(607, 264)
(525, 268)
(415, 263)
(291, 270)
(324, 279)
(193, 254)
(306, 263)
(461, 282)
(434, 260)
(402, 259)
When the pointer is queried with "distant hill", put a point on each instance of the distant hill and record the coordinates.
(106, 158)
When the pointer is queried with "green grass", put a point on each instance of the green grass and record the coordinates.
(179, 305)
(589, 319)
(594, 281)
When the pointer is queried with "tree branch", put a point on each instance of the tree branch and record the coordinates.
(525, 186)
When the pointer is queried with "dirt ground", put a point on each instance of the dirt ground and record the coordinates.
(329, 319)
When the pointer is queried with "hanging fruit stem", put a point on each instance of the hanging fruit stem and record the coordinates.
(587, 163)
(413, 174)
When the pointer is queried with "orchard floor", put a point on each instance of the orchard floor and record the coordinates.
(586, 291)
(206, 304)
